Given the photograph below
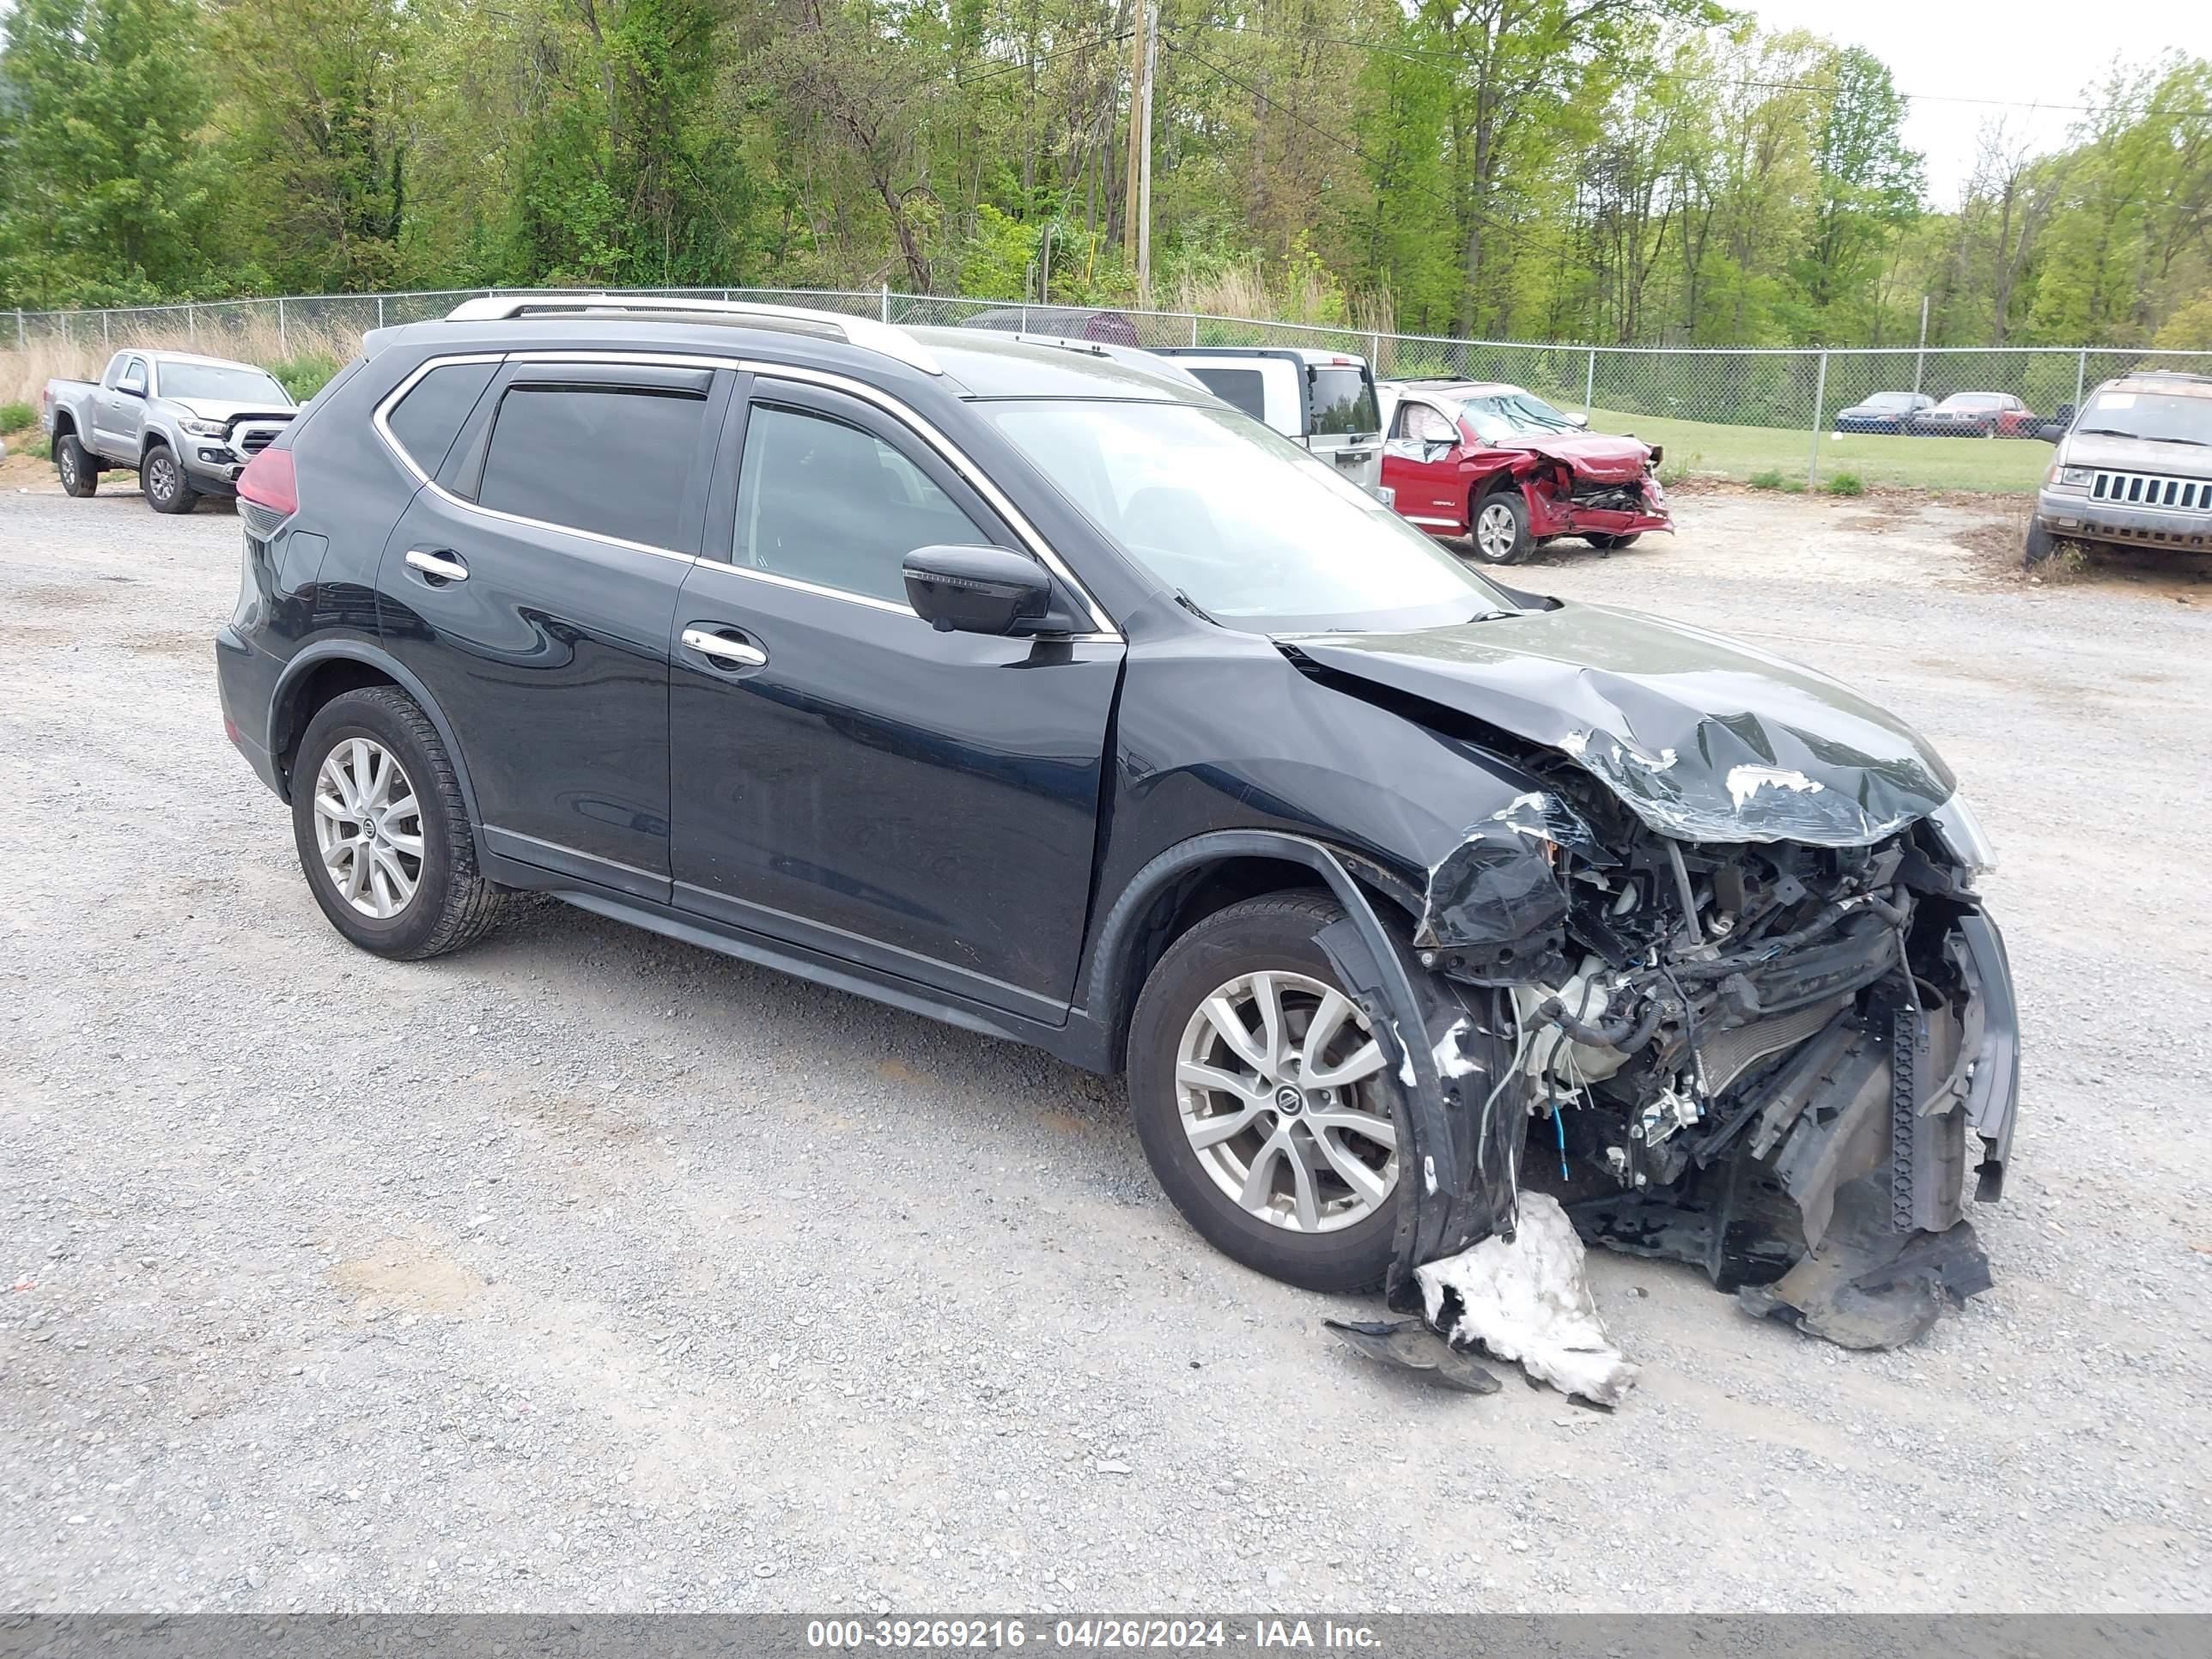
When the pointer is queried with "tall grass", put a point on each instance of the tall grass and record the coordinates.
(1302, 294)
(301, 356)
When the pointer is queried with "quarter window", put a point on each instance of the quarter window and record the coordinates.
(1239, 388)
(612, 460)
(825, 503)
(429, 417)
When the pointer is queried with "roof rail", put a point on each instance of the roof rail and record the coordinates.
(864, 332)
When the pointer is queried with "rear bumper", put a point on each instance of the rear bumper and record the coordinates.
(2073, 513)
(246, 680)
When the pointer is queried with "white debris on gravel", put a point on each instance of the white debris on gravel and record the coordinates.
(1528, 1301)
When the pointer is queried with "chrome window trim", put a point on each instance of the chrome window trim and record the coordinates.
(844, 594)
(1104, 629)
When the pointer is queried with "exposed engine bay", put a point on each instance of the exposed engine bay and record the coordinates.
(1756, 1057)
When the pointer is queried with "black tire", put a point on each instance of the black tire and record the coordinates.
(2041, 544)
(1502, 550)
(80, 475)
(1272, 933)
(161, 481)
(1614, 543)
(453, 905)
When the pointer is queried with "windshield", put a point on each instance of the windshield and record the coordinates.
(1889, 400)
(2157, 417)
(223, 383)
(1251, 529)
(1343, 403)
(1959, 400)
(1503, 416)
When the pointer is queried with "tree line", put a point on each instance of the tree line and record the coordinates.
(1628, 170)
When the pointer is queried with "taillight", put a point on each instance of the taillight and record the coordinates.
(268, 482)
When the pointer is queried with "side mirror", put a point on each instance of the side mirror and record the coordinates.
(1576, 420)
(977, 590)
(130, 390)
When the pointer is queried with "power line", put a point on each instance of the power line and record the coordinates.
(1016, 67)
(1424, 53)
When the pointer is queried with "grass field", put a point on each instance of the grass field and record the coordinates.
(2000, 465)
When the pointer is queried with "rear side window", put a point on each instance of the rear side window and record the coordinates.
(430, 416)
(823, 502)
(1343, 402)
(612, 460)
(1239, 388)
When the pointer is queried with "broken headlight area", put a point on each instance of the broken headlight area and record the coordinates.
(1762, 1058)
(1604, 497)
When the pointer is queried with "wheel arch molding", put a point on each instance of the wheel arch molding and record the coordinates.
(1443, 1041)
(290, 710)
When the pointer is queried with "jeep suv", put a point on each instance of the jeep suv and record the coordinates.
(1028, 686)
(2134, 468)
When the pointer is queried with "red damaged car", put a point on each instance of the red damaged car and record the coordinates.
(1502, 468)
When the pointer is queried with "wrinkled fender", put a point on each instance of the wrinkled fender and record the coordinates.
(361, 651)
(1993, 1096)
(1457, 1172)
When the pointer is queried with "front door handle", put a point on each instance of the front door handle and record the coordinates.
(734, 654)
(439, 566)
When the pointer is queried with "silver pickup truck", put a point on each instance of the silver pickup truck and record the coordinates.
(2134, 470)
(186, 425)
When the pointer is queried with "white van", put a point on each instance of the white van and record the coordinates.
(1324, 399)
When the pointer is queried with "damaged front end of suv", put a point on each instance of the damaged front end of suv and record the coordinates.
(1721, 983)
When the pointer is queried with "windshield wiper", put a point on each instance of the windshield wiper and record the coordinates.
(2138, 437)
(1194, 608)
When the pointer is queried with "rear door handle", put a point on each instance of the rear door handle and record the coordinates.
(729, 652)
(439, 566)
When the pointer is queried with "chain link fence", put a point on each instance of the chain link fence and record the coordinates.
(1768, 415)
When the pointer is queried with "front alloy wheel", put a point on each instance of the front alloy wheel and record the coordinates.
(1263, 1100)
(368, 828)
(1273, 1083)
(1500, 530)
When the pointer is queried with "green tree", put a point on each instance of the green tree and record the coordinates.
(1868, 184)
(105, 185)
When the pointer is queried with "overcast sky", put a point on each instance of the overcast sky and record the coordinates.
(2024, 51)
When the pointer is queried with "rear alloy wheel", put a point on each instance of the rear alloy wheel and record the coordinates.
(382, 830)
(79, 476)
(1262, 1099)
(1499, 532)
(162, 479)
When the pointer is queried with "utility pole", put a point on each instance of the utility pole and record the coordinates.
(1136, 242)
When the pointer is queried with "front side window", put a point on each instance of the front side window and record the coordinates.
(823, 502)
(134, 375)
(232, 383)
(1249, 528)
(610, 460)
(1425, 425)
(1343, 403)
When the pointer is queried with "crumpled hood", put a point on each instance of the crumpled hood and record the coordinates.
(1593, 455)
(1703, 738)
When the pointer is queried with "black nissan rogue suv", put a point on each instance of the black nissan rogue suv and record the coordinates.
(1024, 684)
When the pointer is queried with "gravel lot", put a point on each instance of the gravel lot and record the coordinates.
(586, 1270)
